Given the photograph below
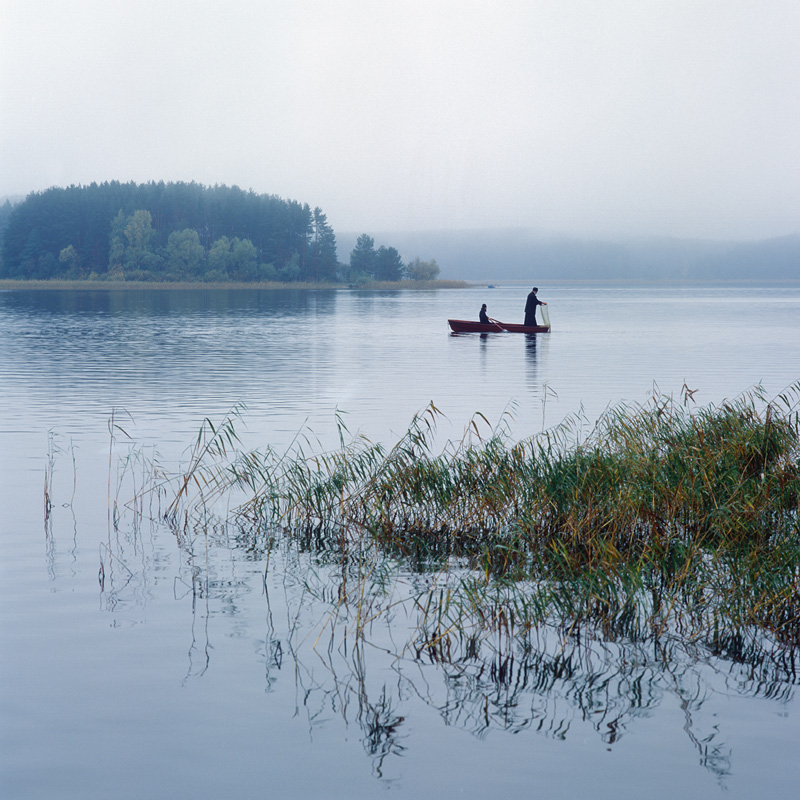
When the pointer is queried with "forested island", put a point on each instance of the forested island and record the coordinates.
(182, 232)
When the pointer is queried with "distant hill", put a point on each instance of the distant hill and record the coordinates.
(523, 254)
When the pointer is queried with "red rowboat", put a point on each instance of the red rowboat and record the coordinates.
(468, 326)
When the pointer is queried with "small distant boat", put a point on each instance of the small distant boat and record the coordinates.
(468, 326)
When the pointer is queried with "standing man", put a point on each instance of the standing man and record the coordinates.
(530, 307)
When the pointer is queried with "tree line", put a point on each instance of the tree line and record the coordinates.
(385, 264)
(183, 231)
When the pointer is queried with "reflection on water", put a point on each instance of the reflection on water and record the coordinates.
(98, 304)
(530, 359)
(555, 683)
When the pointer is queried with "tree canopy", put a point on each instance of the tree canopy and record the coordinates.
(183, 231)
(158, 230)
(386, 264)
(419, 270)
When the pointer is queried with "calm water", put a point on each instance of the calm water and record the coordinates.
(133, 665)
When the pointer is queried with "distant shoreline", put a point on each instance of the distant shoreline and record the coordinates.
(96, 285)
(8, 284)
(497, 283)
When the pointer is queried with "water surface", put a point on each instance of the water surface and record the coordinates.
(135, 664)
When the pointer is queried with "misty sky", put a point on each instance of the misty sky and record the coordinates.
(602, 117)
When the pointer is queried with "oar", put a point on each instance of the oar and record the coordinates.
(496, 323)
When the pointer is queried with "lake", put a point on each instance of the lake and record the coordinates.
(136, 661)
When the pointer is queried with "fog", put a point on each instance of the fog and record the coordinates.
(676, 118)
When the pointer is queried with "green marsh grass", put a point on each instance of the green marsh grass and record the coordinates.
(665, 522)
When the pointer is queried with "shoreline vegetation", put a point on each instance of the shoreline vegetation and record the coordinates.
(664, 525)
(115, 285)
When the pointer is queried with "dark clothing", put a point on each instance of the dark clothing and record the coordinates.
(482, 317)
(530, 309)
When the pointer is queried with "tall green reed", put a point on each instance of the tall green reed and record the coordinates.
(665, 520)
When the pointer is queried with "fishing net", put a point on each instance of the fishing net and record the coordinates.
(545, 316)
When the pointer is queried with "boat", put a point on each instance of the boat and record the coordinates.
(468, 326)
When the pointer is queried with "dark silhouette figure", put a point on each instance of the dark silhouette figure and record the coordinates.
(483, 317)
(530, 307)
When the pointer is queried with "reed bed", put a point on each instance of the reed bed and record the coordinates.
(666, 520)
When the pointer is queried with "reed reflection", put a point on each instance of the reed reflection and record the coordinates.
(551, 681)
